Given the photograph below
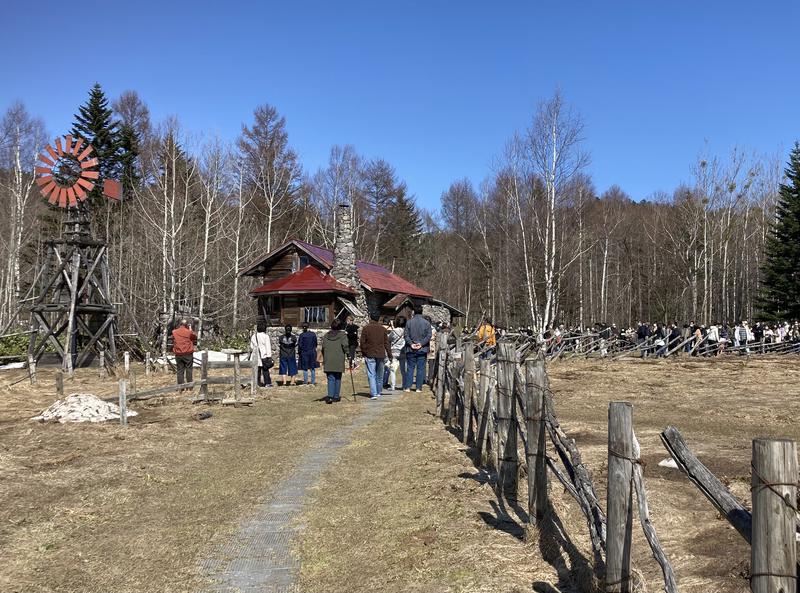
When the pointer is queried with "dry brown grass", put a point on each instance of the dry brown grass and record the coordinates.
(100, 509)
(404, 509)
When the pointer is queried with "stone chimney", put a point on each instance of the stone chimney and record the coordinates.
(344, 258)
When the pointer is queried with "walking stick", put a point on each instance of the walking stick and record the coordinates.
(352, 381)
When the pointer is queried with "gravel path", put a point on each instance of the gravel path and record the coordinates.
(257, 558)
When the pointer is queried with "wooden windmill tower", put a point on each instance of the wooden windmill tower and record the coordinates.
(72, 311)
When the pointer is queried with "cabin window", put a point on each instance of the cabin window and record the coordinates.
(303, 261)
(315, 314)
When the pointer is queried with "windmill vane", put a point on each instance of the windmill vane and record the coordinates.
(68, 172)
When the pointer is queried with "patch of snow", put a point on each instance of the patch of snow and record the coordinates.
(668, 462)
(213, 356)
(81, 407)
(12, 365)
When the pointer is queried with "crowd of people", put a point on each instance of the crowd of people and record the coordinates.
(401, 346)
(659, 339)
(407, 347)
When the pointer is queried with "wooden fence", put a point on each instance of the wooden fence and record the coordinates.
(127, 391)
(594, 346)
(496, 401)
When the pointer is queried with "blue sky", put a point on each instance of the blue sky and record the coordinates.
(434, 87)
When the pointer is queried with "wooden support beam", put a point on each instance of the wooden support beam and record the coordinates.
(483, 411)
(619, 529)
(468, 392)
(123, 402)
(508, 462)
(204, 375)
(103, 371)
(441, 356)
(774, 494)
(237, 374)
(536, 452)
(32, 369)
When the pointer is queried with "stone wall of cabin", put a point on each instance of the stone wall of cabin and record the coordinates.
(437, 313)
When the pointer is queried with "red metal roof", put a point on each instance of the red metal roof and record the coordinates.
(309, 279)
(378, 278)
(374, 276)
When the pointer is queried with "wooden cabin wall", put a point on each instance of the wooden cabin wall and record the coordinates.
(289, 262)
(291, 311)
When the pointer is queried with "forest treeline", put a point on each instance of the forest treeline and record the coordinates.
(535, 243)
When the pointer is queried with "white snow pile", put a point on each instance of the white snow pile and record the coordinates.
(81, 407)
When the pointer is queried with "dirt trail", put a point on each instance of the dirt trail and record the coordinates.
(257, 558)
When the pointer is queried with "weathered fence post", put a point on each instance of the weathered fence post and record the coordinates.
(203, 375)
(60, 383)
(492, 395)
(148, 363)
(123, 402)
(483, 410)
(619, 500)
(452, 404)
(102, 364)
(537, 442)
(441, 356)
(237, 378)
(507, 459)
(773, 553)
(32, 369)
(253, 376)
(469, 391)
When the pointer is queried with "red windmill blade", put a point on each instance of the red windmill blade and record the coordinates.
(66, 173)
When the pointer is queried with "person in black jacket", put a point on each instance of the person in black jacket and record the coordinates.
(642, 334)
(351, 329)
(288, 353)
(675, 337)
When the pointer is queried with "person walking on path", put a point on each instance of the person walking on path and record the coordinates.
(261, 354)
(375, 348)
(418, 338)
(398, 359)
(351, 329)
(334, 355)
(307, 354)
(183, 341)
(288, 353)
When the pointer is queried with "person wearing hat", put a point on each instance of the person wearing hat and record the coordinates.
(183, 341)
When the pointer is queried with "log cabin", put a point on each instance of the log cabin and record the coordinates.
(297, 287)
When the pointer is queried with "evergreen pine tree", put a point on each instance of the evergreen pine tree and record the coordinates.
(129, 147)
(780, 288)
(94, 123)
(404, 236)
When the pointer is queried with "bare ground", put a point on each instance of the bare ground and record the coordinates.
(98, 508)
(405, 509)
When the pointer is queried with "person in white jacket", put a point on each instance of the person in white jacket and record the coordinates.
(261, 353)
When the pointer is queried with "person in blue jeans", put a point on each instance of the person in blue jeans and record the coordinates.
(334, 355)
(307, 354)
(375, 349)
(418, 341)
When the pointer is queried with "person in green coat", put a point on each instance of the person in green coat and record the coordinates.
(334, 355)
